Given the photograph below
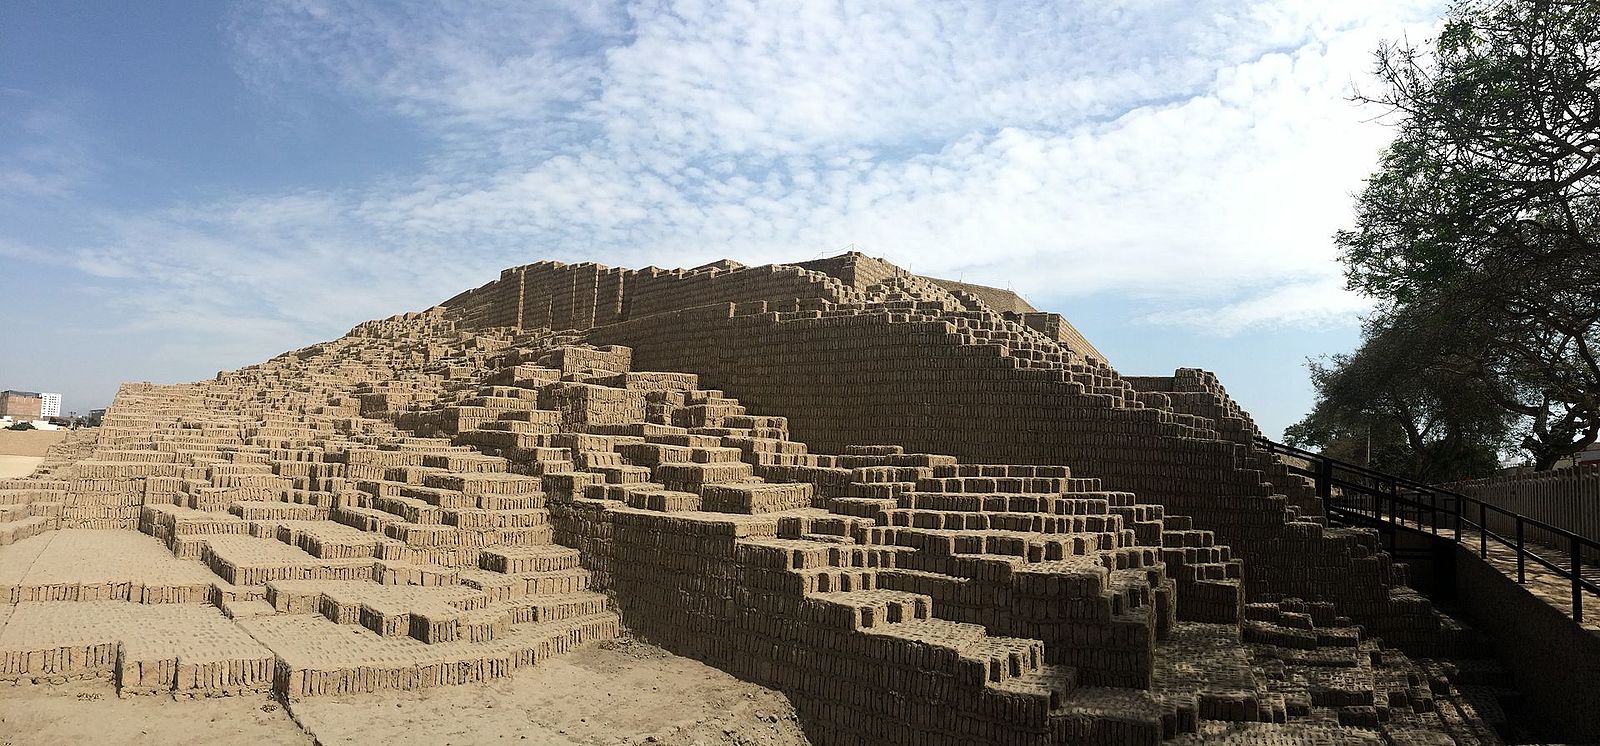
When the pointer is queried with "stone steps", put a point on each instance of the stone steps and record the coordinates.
(188, 650)
(22, 528)
(317, 658)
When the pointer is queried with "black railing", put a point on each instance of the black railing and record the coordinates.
(1356, 492)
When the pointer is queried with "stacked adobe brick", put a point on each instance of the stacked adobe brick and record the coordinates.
(947, 374)
(700, 539)
(105, 490)
(1197, 392)
(38, 503)
(433, 499)
(304, 511)
(910, 547)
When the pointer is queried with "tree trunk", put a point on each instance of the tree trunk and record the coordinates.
(1546, 460)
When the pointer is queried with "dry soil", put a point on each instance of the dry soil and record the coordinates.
(85, 712)
(616, 692)
(28, 442)
(619, 692)
(12, 467)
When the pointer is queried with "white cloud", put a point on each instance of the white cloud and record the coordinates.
(10, 249)
(1192, 156)
(1312, 303)
(44, 151)
(481, 62)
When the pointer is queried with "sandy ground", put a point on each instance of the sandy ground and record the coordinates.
(28, 442)
(12, 467)
(89, 712)
(620, 692)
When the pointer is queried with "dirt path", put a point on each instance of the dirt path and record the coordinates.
(89, 712)
(612, 693)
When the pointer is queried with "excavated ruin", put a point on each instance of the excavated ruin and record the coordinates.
(922, 510)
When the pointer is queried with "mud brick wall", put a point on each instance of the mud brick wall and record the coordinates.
(1004, 301)
(561, 296)
(689, 586)
(1108, 646)
(581, 296)
(901, 598)
(1552, 661)
(1056, 327)
(854, 269)
(495, 303)
(870, 378)
(1197, 392)
(583, 405)
(653, 292)
(84, 503)
(564, 360)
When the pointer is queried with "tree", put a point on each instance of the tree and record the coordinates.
(1485, 211)
(1395, 405)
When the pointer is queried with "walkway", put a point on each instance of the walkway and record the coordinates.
(1551, 587)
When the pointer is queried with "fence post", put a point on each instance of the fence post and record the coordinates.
(1394, 503)
(1483, 532)
(1577, 580)
(1459, 509)
(1433, 512)
(1522, 576)
(1324, 479)
(1394, 516)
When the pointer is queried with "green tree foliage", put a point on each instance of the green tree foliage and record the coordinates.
(1482, 222)
(1377, 408)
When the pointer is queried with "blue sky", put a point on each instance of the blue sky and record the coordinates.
(194, 186)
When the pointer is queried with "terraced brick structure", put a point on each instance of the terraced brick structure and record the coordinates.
(924, 511)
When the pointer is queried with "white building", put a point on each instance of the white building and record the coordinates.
(1590, 455)
(50, 406)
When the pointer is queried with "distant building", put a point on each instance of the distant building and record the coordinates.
(23, 405)
(49, 405)
(1591, 455)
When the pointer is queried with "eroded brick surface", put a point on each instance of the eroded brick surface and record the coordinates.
(1002, 541)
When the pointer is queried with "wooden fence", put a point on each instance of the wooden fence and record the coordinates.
(1566, 498)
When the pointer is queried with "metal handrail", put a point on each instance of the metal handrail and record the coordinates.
(1321, 472)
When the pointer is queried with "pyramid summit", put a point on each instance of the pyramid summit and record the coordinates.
(924, 511)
